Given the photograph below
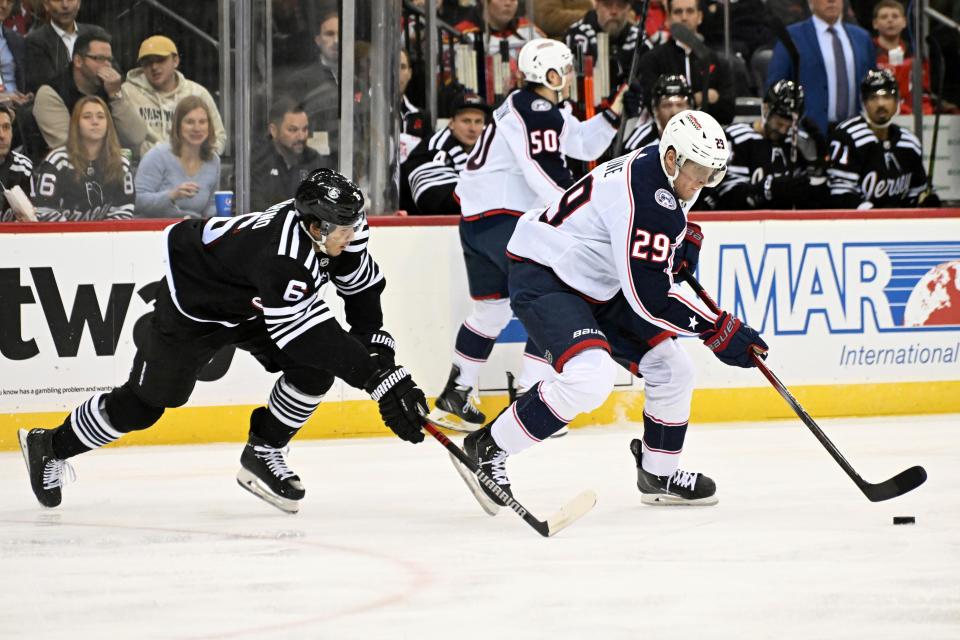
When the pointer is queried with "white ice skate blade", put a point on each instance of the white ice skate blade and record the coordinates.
(486, 503)
(665, 500)
(22, 436)
(564, 430)
(452, 421)
(572, 511)
(254, 485)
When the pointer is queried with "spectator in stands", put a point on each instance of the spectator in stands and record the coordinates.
(656, 24)
(20, 17)
(894, 53)
(613, 18)
(554, 17)
(875, 163)
(432, 171)
(414, 123)
(670, 96)
(15, 168)
(157, 87)
(89, 178)
(50, 47)
(497, 22)
(317, 84)
(283, 163)
(91, 73)
(834, 58)
(675, 58)
(13, 58)
(178, 179)
(789, 11)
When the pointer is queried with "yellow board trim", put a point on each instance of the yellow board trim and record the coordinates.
(360, 418)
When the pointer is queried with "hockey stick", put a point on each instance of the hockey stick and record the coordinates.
(634, 63)
(896, 486)
(780, 31)
(567, 515)
(692, 41)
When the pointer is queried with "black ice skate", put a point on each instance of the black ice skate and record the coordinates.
(494, 490)
(265, 474)
(46, 472)
(514, 394)
(682, 488)
(454, 408)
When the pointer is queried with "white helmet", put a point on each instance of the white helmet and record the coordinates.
(541, 55)
(698, 137)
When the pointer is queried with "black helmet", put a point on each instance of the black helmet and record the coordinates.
(668, 86)
(878, 81)
(326, 196)
(784, 98)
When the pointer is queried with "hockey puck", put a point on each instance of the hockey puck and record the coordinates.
(904, 520)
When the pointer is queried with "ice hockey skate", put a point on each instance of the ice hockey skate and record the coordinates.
(455, 408)
(46, 471)
(265, 474)
(681, 488)
(491, 460)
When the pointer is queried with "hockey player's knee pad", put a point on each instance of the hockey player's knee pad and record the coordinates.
(585, 382)
(312, 382)
(127, 412)
(671, 379)
(489, 317)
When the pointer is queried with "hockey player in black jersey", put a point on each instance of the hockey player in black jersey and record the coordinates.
(873, 162)
(775, 162)
(254, 281)
(670, 96)
(433, 168)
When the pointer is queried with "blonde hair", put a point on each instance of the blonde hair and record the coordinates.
(109, 155)
(184, 107)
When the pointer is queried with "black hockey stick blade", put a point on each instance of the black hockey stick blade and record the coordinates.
(896, 486)
(683, 34)
(567, 514)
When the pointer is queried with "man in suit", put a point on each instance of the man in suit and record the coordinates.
(834, 58)
(50, 47)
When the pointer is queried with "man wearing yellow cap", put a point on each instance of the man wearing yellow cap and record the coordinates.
(155, 87)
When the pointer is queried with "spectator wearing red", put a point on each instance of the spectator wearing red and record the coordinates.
(894, 52)
(13, 58)
(20, 16)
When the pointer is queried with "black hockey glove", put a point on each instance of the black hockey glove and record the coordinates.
(401, 403)
(733, 342)
(633, 100)
(688, 252)
(380, 345)
(784, 190)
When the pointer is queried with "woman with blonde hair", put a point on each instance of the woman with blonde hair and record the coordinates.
(177, 179)
(89, 178)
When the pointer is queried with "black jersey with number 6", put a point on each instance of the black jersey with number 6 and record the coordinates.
(262, 267)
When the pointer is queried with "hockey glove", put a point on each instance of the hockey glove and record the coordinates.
(784, 190)
(401, 403)
(633, 100)
(380, 345)
(734, 342)
(688, 251)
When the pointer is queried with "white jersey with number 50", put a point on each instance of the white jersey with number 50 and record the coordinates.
(616, 230)
(519, 162)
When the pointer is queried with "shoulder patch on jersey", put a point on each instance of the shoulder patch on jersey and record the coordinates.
(541, 105)
(665, 199)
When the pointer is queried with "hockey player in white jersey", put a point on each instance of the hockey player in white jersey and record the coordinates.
(592, 280)
(518, 164)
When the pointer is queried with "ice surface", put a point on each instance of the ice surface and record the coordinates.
(160, 542)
